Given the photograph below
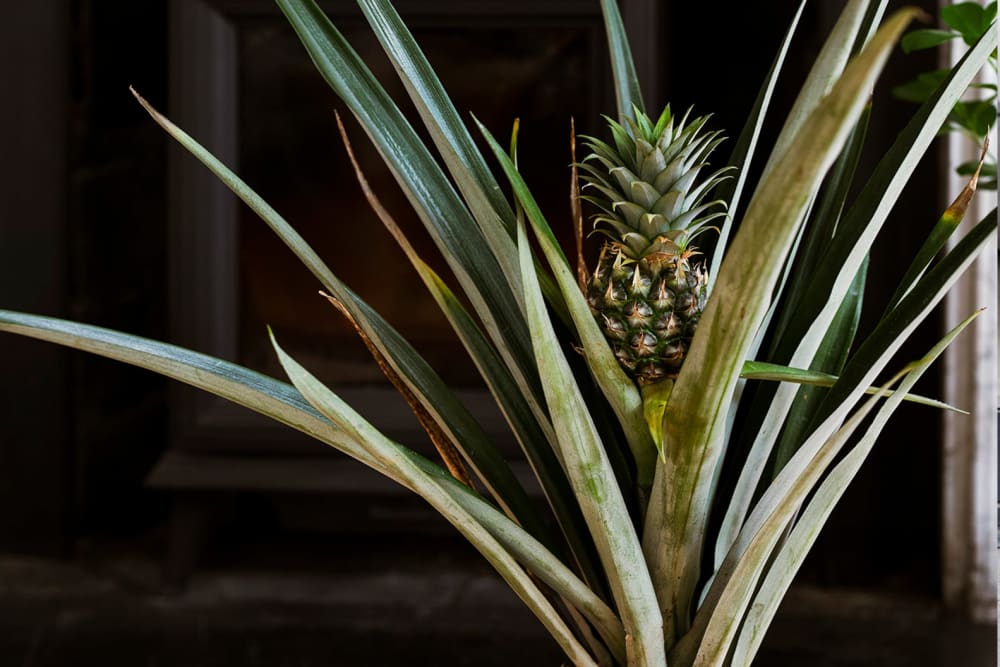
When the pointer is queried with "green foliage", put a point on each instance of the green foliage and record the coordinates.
(974, 118)
(635, 503)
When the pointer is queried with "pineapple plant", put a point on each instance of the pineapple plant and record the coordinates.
(649, 556)
(648, 290)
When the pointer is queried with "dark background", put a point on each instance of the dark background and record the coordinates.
(83, 228)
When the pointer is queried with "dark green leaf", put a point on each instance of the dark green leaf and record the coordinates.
(627, 92)
(911, 310)
(922, 88)
(926, 39)
(431, 194)
(975, 116)
(968, 18)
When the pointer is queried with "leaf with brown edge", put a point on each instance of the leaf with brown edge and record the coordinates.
(442, 443)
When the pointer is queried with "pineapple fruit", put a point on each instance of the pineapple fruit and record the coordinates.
(647, 291)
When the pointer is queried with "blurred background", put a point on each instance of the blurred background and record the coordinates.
(145, 522)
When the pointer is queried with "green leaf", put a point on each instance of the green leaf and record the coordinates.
(760, 370)
(731, 191)
(911, 310)
(718, 620)
(535, 437)
(936, 240)
(923, 87)
(593, 481)
(970, 19)
(696, 418)
(627, 92)
(454, 143)
(390, 456)
(829, 356)
(926, 39)
(828, 283)
(976, 116)
(525, 415)
(824, 72)
(734, 582)
(447, 410)
(792, 552)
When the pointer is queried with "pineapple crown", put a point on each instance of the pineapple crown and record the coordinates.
(648, 190)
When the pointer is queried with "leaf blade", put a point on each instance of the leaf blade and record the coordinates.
(593, 481)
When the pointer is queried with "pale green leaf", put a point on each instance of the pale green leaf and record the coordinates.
(760, 370)
(731, 191)
(593, 481)
(439, 400)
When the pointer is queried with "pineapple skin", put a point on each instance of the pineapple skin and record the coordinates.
(648, 310)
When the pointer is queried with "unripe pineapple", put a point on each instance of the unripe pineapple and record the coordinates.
(646, 292)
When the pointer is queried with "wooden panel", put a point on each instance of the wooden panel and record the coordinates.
(35, 486)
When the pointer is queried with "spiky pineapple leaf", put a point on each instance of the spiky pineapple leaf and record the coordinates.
(718, 619)
(825, 71)
(454, 143)
(844, 254)
(743, 153)
(627, 91)
(792, 552)
(914, 306)
(384, 450)
(695, 420)
(805, 332)
(828, 283)
(942, 231)
(590, 473)
(535, 437)
(761, 370)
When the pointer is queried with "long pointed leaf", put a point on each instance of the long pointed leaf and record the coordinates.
(824, 73)
(464, 161)
(590, 474)
(758, 370)
(732, 589)
(759, 533)
(863, 221)
(627, 92)
(731, 191)
(526, 416)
